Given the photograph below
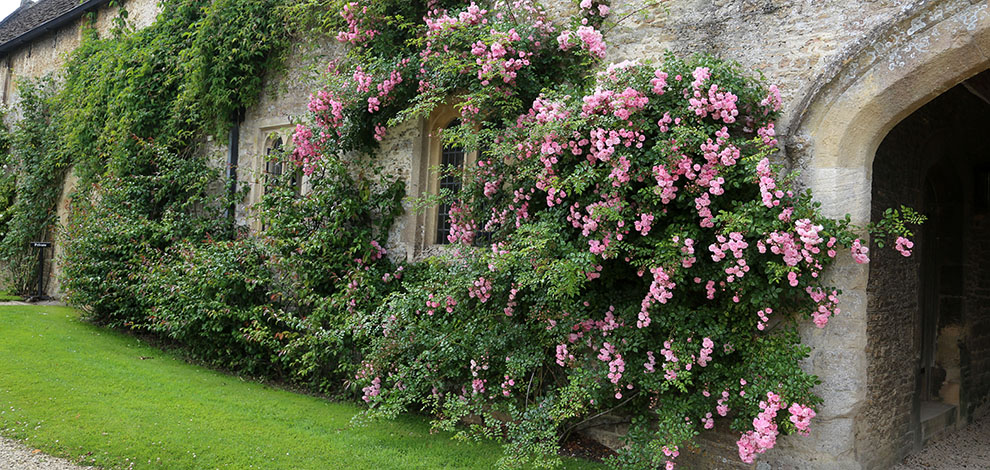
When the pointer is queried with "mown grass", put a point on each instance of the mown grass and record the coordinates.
(7, 296)
(103, 398)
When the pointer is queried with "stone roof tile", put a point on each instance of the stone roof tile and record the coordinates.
(32, 15)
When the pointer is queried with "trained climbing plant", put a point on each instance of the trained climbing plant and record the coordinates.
(623, 243)
(33, 172)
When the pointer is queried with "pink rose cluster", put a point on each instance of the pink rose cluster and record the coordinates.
(903, 246)
(438, 21)
(859, 252)
(481, 289)
(501, 59)
(826, 305)
(433, 304)
(563, 356)
(801, 417)
(594, 8)
(718, 104)
(591, 40)
(661, 290)
(764, 434)
(616, 365)
(462, 226)
(354, 34)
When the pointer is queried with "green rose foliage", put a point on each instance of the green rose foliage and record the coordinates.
(322, 245)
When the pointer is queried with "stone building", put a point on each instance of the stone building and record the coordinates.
(885, 102)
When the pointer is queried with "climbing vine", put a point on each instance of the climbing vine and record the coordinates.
(127, 109)
(33, 173)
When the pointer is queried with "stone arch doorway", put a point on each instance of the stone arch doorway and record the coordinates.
(923, 313)
(833, 138)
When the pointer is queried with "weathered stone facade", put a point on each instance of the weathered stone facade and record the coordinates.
(45, 54)
(850, 71)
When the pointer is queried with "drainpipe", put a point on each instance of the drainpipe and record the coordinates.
(235, 137)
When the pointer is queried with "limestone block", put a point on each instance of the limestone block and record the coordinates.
(949, 393)
(843, 374)
(828, 447)
(841, 191)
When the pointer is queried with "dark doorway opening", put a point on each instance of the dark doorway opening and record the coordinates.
(928, 321)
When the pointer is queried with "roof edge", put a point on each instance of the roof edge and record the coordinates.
(14, 13)
(50, 25)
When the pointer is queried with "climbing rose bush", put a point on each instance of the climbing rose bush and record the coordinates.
(631, 248)
(623, 243)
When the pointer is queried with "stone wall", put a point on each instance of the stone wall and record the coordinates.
(791, 42)
(976, 324)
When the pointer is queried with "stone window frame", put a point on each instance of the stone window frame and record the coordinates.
(267, 133)
(428, 162)
(274, 142)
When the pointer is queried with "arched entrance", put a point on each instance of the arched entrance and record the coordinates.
(872, 413)
(924, 312)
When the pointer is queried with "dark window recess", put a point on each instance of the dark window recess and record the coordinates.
(982, 188)
(450, 158)
(482, 237)
(275, 169)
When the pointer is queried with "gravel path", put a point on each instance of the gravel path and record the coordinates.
(15, 456)
(968, 448)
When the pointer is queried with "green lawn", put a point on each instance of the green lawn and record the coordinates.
(6, 296)
(83, 392)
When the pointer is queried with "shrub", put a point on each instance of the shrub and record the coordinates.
(211, 297)
(118, 227)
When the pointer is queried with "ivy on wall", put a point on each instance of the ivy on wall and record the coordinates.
(128, 112)
(32, 181)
